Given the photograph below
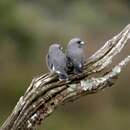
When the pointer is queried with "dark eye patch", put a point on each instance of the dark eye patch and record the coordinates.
(78, 42)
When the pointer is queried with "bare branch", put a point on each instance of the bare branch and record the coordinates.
(46, 92)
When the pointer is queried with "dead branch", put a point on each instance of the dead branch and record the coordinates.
(46, 92)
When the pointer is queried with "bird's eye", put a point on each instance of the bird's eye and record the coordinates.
(78, 42)
(61, 48)
(81, 42)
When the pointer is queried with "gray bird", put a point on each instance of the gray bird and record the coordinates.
(75, 55)
(56, 61)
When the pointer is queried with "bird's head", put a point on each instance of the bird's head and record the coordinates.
(55, 47)
(76, 43)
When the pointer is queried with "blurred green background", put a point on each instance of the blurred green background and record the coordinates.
(28, 27)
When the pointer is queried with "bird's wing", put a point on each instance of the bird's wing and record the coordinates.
(49, 62)
(60, 63)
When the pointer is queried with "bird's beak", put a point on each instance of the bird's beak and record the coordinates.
(82, 42)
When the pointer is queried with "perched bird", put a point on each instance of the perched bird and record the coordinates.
(75, 55)
(56, 61)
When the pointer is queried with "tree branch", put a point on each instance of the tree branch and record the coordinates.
(46, 92)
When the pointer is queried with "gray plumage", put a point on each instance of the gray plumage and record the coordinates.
(75, 55)
(56, 61)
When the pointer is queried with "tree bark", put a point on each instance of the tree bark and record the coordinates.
(46, 92)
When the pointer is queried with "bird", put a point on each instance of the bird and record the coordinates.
(57, 61)
(75, 55)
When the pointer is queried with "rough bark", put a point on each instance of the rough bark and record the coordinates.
(46, 92)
